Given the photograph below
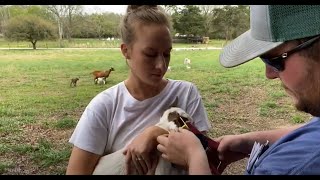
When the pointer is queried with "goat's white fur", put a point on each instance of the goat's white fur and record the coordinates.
(114, 163)
(187, 61)
(101, 80)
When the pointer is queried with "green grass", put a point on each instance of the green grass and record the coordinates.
(39, 110)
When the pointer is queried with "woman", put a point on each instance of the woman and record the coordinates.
(125, 114)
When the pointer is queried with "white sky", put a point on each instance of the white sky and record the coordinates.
(120, 9)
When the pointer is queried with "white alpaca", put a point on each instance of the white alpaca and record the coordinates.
(114, 163)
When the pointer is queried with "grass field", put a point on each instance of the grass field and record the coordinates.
(39, 110)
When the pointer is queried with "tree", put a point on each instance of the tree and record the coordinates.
(60, 11)
(29, 28)
(72, 10)
(4, 16)
(230, 21)
(188, 21)
(207, 13)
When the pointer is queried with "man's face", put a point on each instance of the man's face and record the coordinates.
(300, 79)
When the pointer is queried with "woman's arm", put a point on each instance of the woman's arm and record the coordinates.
(81, 162)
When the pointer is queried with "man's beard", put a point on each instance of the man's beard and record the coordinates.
(307, 98)
(308, 107)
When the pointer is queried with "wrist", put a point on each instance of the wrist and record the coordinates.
(153, 132)
(198, 163)
(247, 140)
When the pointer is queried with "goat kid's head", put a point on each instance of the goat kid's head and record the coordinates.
(173, 118)
(74, 79)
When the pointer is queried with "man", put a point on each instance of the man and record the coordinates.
(286, 39)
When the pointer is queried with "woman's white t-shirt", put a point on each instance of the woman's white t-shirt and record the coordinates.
(113, 118)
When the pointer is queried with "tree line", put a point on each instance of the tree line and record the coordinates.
(38, 22)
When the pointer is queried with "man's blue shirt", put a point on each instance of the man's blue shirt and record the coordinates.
(297, 153)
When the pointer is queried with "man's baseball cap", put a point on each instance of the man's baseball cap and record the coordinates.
(271, 26)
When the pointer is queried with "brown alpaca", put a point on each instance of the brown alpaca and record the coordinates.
(99, 74)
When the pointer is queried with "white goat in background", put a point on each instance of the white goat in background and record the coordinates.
(187, 62)
(100, 80)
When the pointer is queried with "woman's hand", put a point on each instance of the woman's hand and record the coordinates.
(141, 154)
(138, 155)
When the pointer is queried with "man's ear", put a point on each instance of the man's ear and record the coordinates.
(125, 51)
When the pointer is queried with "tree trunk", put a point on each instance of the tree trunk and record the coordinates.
(60, 32)
(34, 45)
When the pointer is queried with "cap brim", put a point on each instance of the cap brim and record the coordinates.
(243, 49)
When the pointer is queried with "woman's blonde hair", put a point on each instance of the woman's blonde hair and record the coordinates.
(144, 14)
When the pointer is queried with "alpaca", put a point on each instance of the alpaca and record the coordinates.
(114, 163)
(99, 74)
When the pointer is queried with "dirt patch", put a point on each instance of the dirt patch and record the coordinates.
(241, 115)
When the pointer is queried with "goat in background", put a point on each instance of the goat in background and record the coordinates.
(187, 62)
(73, 82)
(100, 80)
(100, 74)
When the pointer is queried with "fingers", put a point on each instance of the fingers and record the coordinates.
(218, 139)
(164, 156)
(128, 161)
(154, 165)
(182, 130)
(163, 139)
(147, 161)
(161, 148)
(125, 152)
(140, 164)
(135, 163)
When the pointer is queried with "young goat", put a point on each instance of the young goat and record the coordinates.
(100, 74)
(114, 163)
(74, 82)
(187, 62)
(100, 80)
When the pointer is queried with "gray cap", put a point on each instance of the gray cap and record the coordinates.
(271, 26)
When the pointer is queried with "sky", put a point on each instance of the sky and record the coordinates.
(120, 9)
